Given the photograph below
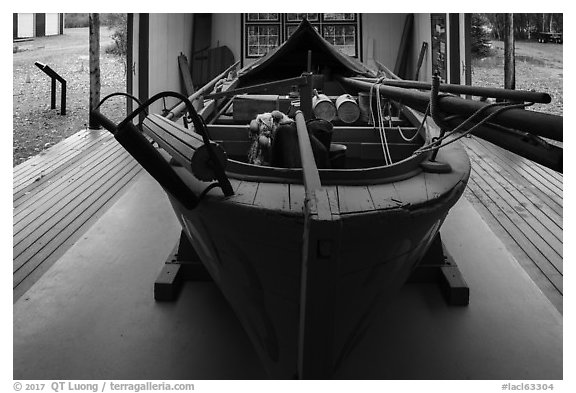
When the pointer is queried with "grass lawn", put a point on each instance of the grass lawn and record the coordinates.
(539, 67)
(36, 126)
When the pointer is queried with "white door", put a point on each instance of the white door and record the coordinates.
(25, 25)
(51, 24)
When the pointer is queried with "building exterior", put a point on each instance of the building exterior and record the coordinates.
(156, 40)
(37, 25)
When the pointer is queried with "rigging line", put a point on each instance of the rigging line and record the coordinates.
(375, 124)
(382, 129)
(436, 146)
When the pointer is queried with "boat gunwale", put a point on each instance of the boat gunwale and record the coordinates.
(400, 170)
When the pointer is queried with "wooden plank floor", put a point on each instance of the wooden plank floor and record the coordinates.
(522, 203)
(59, 194)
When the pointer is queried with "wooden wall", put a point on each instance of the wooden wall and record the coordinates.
(422, 33)
(381, 35)
(169, 34)
(227, 31)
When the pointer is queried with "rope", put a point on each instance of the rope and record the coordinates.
(437, 144)
(426, 113)
(380, 124)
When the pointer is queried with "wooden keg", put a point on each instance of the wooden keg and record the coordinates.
(347, 108)
(323, 107)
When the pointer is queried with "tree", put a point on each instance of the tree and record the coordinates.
(480, 35)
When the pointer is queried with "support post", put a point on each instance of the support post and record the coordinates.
(306, 96)
(183, 264)
(53, 94)
(63, 98)
(94, 60)
(437, 266)
(509, 64)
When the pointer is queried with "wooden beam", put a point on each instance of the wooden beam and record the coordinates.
(454, 49)
(509, 65)
(185, 74)
(143, 58)
(309, 168)
(94, 56)
(180, 109)
(423, 52)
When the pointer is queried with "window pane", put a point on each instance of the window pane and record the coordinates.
(299, 17)
(261, 38)
(332, 17)
(341, 36)
(261, 17)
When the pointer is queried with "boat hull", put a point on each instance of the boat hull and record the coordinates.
(254, 255)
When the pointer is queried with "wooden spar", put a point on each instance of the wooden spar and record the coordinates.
(221, 111)
(492, 92)
(185, 74)
(179, 109)
(525, 145)
(537, 123)
(309, 169)
(259, 88)
(423, 51)
(320, 250)
(386, 70)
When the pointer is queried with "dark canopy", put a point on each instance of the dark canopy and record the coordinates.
(291, 58)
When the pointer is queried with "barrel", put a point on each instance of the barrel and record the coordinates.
(347, 108)
(323, 107)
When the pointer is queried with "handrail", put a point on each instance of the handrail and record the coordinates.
(54, 76)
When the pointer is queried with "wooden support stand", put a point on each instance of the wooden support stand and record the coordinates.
(438, 266)
(183, 264)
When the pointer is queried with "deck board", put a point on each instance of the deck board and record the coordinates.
(522, 170)
(59, 195)
(354, 199)
(521, 201)
(42, 167)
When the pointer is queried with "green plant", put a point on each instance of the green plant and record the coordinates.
(119, 24)
(481, 45)
(119, 36)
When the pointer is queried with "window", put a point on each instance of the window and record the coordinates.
(263, 32)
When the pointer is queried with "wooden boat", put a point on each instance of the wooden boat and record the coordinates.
(305, 256)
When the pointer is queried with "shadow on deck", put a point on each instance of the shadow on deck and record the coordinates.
(59, 194)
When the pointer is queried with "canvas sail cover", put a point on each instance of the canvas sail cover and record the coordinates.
(291, 59)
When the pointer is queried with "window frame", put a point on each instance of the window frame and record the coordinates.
(284, 23)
